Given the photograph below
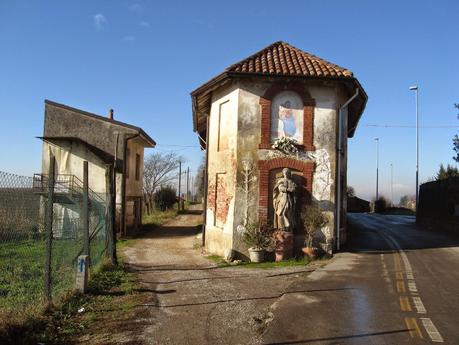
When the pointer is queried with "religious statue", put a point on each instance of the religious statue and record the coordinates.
(284, 201)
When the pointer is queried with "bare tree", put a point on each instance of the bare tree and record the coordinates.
(159, 169)
(456, 141)
(350, 191)
(199, 180)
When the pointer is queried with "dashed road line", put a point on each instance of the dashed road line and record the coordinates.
(419, 305)
(411, 323)
(412, 286)
(401, 286)
(405, 303)
(413, 327)
(431, 330)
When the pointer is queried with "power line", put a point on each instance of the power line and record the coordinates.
(410, 126)
(171, 145)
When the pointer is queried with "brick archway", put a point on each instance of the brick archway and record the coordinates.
(265, 166)
(308, 113)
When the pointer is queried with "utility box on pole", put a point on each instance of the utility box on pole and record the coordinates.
(82, 275)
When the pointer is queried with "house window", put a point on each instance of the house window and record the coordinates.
(137, 166)
(128, 157)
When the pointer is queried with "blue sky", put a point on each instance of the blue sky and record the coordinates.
(143, 58)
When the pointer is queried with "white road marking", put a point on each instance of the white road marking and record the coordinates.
(409, 275)
(431, 330)
(419, 305)
(412, 286)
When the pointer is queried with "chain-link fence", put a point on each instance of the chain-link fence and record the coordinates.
(23, 204)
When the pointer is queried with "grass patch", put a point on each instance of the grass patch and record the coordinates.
(263, 265)
(111, 290)
(275, 264)
(22, 267)
(157, 218)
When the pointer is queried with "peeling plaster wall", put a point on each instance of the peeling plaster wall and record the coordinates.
(244, 134)
(325, 133)
(222, 163)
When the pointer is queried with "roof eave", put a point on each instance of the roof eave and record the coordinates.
(222, 77)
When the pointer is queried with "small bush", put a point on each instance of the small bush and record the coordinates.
(165, 198)
(381, 205)
(313, 219)
(259, 236)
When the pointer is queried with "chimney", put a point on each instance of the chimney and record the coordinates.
(110, 115)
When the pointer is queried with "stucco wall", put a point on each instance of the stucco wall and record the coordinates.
(246, 95)
(222, 170)
(133, 185)
(70, 156)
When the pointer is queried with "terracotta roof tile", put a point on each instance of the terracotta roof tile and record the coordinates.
(281, 58)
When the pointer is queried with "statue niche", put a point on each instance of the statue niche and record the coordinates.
(288, 196)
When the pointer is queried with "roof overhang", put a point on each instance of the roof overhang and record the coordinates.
(105, 157)
(202, 97)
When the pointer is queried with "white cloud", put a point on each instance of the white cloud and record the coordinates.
(129, 38)
(100, 21)
(144, 24)
(136, 8)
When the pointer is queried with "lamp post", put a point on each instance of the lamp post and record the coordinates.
(392, 184)
(416, 89)
(377, 168)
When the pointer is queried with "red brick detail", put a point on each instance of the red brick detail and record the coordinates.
(264, 167)
(265, 105)
(308, 113)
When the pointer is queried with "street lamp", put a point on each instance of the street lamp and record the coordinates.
(416, 89)
(377, 168)
(392, 184)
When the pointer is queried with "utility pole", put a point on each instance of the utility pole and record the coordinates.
(415, 88)
(180, 185)
(192, 188)
(377, 168)
(187, 182)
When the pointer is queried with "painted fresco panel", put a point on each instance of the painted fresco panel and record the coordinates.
(287, 116)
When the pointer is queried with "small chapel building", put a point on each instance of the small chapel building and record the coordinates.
(280, 112)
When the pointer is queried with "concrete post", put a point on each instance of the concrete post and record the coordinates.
(110, 214)
(85, 209)
(49, 227)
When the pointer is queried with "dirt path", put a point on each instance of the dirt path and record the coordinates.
(195, 302)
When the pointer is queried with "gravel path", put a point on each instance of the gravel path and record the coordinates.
(196, 302)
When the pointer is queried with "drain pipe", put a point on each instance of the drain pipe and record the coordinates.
(339, 196)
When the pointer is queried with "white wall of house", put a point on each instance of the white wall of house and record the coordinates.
(69, 160)
(243, 131)
(222, 148)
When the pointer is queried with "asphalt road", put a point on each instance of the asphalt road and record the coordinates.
(394, 283)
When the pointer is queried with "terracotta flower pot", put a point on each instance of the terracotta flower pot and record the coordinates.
(311, 252)
(256, 255)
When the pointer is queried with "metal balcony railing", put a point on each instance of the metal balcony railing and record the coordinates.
(64, 184)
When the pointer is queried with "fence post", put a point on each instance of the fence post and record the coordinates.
(110, 214)
(85, 209)
(49, 227)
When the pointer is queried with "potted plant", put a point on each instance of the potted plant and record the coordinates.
(259, 238)
(314, 219)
